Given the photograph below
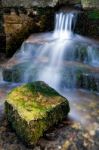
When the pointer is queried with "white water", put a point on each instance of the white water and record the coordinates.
(52, 71)
(93, 56)
(56, 57)
(1, 76)
(64, 25)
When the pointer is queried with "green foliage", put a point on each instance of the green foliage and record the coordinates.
(93, 14)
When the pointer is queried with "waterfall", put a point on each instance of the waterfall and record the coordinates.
(64, 25)
(93, 56)
(60, 58)
(54, 51)
(1, 76)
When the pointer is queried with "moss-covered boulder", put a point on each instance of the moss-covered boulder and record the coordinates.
(34, 107)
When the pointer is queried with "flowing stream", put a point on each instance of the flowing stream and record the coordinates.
(63, 59)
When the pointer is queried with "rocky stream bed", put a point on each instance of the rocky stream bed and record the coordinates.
(80, 131)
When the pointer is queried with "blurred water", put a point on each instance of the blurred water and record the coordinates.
(61, 58)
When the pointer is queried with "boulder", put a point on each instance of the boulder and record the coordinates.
(33, 108)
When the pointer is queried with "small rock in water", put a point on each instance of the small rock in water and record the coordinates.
(92, 132)
(50, 136)
(66, 145)
(59, 147)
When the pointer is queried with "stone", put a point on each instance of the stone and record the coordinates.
(17, 29)
(31, 109)
(19, 26)
(90, 3)
(38, 3)
(14, 73)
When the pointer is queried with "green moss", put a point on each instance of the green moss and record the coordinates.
(93, 14)
(34, 107)
(29, 100)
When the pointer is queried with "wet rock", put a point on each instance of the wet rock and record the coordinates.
(97, 134)
(81, 77)
(66, 145)
(17, 29)
(20, 23)
(14, 74)
(51, 136)
(32, 108)
(14, 147)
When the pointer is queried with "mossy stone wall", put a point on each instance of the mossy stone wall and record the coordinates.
(20, 23)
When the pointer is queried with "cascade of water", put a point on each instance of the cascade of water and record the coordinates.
(93, 56)
(64, 25)
(61, 58)
(54, 66)
(1, 76)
